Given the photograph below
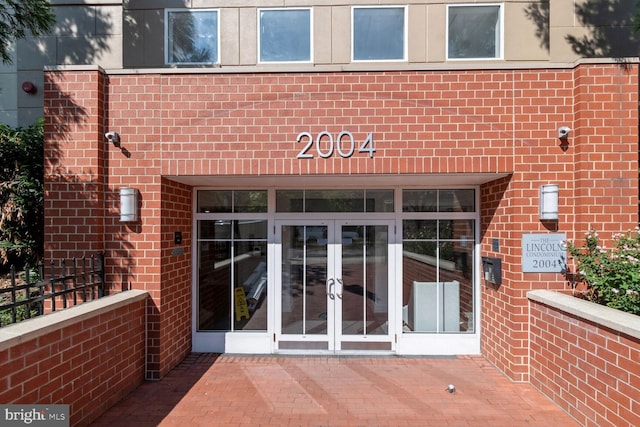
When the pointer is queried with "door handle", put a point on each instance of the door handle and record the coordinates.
(339, 294)
(330, 285)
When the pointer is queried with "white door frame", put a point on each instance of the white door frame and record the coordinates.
(263, 342)
(334, 290)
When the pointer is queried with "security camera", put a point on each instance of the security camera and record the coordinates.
(563, 132)
(113, 137)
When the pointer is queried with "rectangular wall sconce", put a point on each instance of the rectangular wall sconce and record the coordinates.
(128, 204)
(549, 202)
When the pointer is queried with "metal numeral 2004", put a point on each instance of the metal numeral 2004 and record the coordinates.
(367, 145)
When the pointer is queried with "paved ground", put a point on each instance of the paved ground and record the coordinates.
(211, 390)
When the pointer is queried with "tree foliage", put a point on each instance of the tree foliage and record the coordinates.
(21, 194)
(19, 18)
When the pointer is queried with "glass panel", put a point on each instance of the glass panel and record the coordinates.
(379, 201)
(457, 201)
(377, 280)
(378, 33)
(214, 290)
(220, 229)
(334, 201)
(250, 229)
(438, 279)
(365, 280)
(217, 278)
(419, 266)
(449, 293)
(464, 231)
(289, 200)
(419, 229)
(419, 200)
(250, 201)
(214, 201)
(285, 35)
(474, 32)
(304, 280)
(463, 258)
(192, 37)
(445, 229)
(250, 287)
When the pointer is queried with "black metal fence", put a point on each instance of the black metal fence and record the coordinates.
(47, 288)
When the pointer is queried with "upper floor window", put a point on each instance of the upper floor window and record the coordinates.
(379, 34)
(284, 35)
(191, 36)
(474, 31)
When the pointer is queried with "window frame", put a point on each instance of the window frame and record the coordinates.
(259, 39)
(405, 33)
(166, 36)
(500, 39)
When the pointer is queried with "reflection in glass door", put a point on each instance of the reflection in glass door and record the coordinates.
(334, 286)
(303, 285)
(364, 287)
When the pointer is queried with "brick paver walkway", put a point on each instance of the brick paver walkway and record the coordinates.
(211, 390)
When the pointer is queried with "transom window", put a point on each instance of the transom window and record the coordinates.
(379, 34)
(334, 201)
(474, 31)
(284, 35)
(462, 200)
(191, 36)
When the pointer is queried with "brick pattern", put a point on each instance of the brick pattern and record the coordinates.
(175, 326)
(278, 391)
(74, 173)
(88, 364)
(591, 372)
(598, 184)
(492, 121)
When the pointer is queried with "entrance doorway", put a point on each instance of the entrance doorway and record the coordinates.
(334, 279)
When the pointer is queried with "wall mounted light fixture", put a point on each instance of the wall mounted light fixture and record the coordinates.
(128, 204)
(549, 202)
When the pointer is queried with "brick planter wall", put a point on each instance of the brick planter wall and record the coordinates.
(586, 358)
(88, 357)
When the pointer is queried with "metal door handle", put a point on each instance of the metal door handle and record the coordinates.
(339, 294)
(330, 284)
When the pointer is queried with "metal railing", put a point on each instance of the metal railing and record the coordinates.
(46, 289)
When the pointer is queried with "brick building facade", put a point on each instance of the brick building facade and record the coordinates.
(336, 177)
(496, 130)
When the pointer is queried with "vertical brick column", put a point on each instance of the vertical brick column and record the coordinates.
(74, 176)
(606, 149)
(596, 170)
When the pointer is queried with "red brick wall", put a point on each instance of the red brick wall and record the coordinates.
(590, 371)
(89, 362)
(596, 172)
(176, 276)
(74, 173)
(491, 121)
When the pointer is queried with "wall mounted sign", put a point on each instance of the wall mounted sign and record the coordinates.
(326, 145)
(177, 251)
(544, 253)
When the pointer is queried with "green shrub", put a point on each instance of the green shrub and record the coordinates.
(611, 275)
(21, 195)
(6, 315)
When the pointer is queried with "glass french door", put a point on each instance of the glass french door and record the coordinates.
(333, 285)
